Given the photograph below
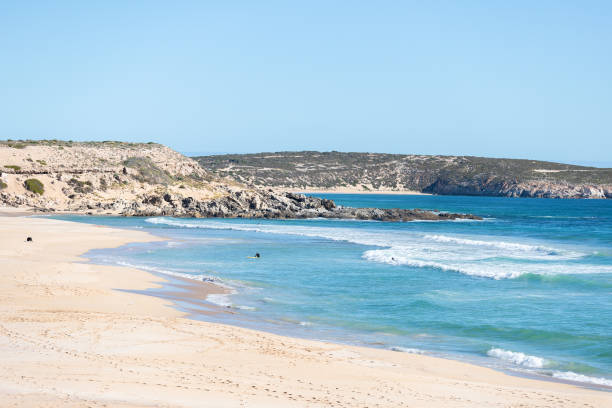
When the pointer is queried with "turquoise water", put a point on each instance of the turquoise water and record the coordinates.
(529, 289)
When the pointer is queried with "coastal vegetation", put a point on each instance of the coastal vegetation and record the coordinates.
(466, 175)
(35, 186)
(79, 186)
(147, 171)
(22, 144)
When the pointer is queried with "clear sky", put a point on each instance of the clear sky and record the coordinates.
(529, 79)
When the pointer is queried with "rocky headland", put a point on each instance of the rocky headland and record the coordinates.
(114, 178)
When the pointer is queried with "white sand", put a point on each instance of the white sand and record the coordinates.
(68, 338)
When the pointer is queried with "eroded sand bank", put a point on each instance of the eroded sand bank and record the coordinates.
(68, 338)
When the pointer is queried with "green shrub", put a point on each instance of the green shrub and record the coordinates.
(13, 167)
(148, 172)
(3, 185)
(16, 145)
(42, 162)
(79, 186)
(35, 186)
(103, 184)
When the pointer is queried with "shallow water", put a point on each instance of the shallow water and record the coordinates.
(528, 289)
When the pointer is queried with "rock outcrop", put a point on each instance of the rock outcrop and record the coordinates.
(260, 204)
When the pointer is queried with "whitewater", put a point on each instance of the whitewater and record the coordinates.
(493, 258)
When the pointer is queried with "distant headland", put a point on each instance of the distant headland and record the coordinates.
(309, 171)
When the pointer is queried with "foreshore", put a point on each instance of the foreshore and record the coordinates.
(74, 334)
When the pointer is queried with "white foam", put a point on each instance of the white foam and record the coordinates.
(494, 244)
(485, 268)
(572, 376)
(191, 276)
(392, 257)
(224, 300)
(408, 350)
(519, 359)
(220, 299)
(242, 307)
(538, 363)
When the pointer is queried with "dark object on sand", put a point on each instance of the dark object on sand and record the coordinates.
(29, 239)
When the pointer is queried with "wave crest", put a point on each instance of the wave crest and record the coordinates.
(493, 244)
(518, 358)
(581, 378)
(540, 365)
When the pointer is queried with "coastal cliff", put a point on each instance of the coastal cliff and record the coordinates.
(114, 178)
(445, 175)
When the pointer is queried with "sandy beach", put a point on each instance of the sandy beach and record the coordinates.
(73, 335)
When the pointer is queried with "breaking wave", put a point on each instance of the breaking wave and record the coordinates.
(581, 378)
(191, 276)
(493, 244)
(220, 299)
(484, 268)
(542, 366)
(408, 350)
(494, 258)
(519, 359)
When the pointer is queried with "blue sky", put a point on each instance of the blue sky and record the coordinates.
(529, 79)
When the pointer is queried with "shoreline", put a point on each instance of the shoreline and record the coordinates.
(354, 191)
(225, 309)
(205, 309)
(99, 344)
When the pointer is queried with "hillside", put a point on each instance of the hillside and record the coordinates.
(118, 178)
(451, 175)
(99, 176)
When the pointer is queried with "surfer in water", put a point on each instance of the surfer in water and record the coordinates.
(257, 256)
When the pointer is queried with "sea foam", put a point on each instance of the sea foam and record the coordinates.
(580, 378)
(220, 299)
(540, 365)
(408, 350)
(495, 244)
(186, 275)
(517, 358)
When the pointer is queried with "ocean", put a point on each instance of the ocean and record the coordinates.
(527, 290)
